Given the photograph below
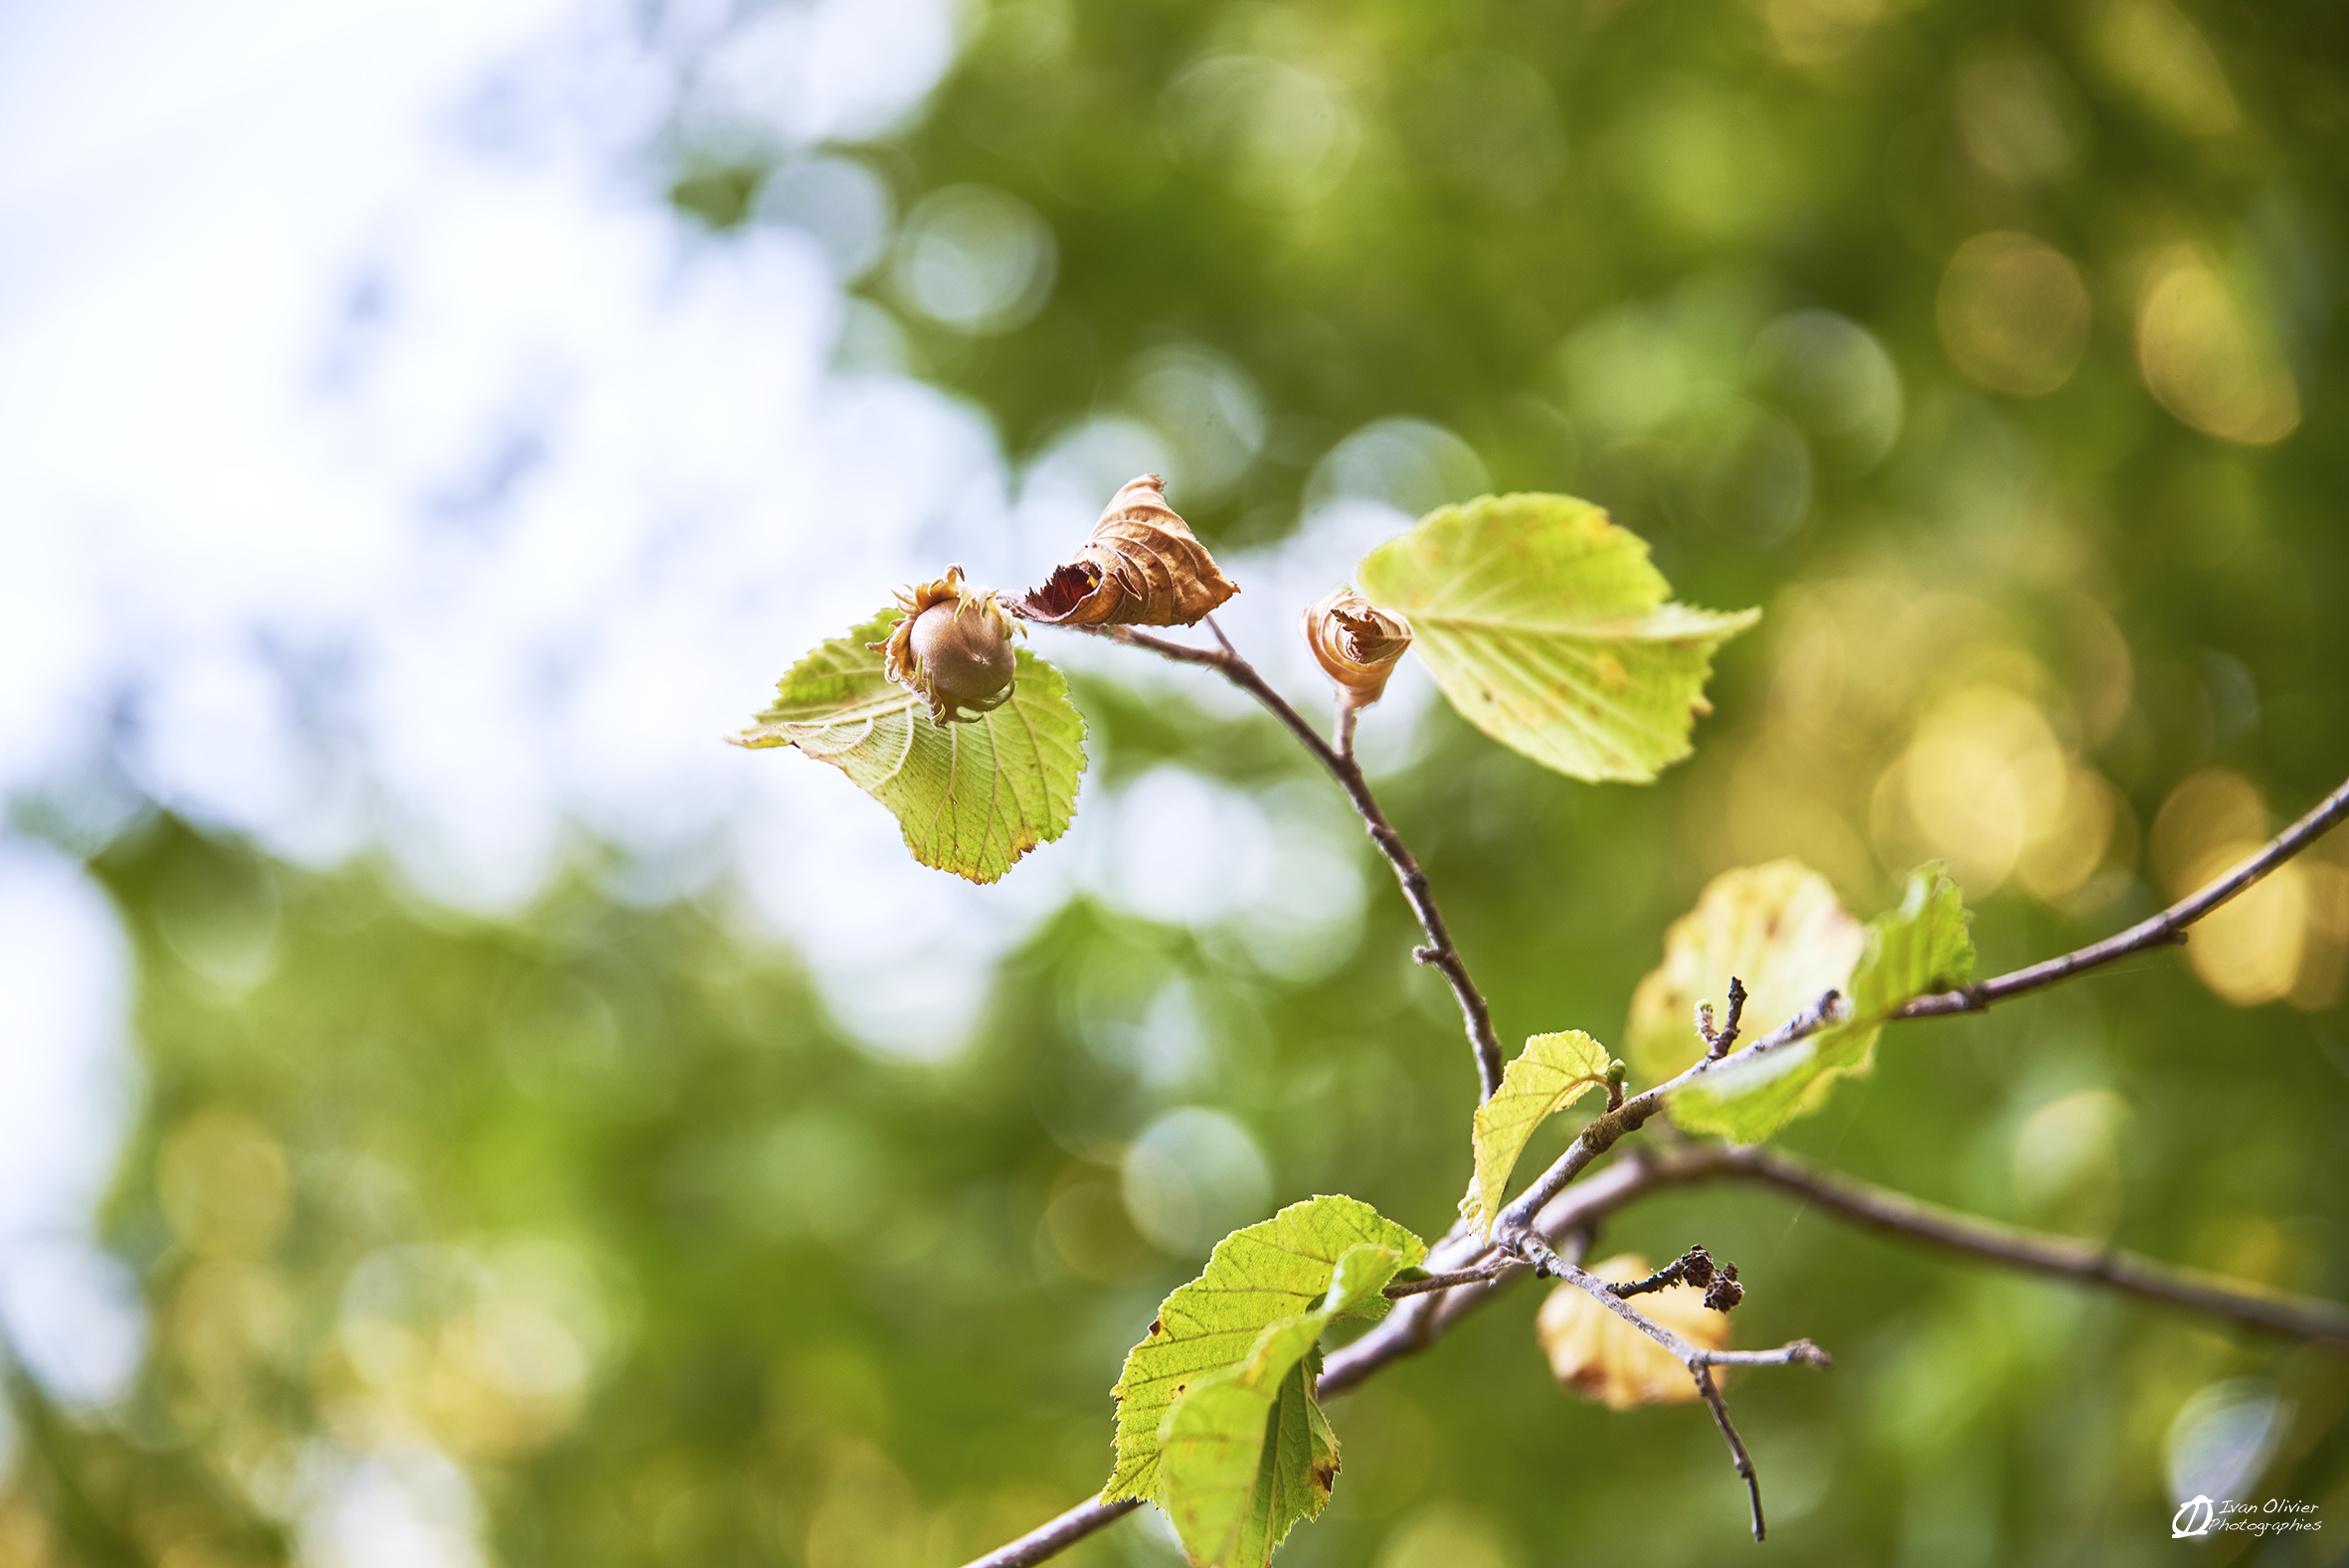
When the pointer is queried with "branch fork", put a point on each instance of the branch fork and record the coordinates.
(1697, 1358)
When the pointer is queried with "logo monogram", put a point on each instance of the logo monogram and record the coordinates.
(2193, 1517)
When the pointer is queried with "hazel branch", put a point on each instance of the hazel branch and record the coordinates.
(1893, 1213)
(2165, 929)
(1711, 1393)
(1697, 1358)
(1467, 1274)
(1057, 1535)
(1338, 760)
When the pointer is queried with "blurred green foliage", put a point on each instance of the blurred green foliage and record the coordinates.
(601, 1206)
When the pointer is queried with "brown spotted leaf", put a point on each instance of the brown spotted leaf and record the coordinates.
(1142, 566)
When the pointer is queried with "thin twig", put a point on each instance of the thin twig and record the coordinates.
(1056, 1535)
(1694, 1266)
(1481, 1275)
(2166, 929)
(1685, 1352)
(1894, 1213)
(1342, 766)
(1711, 1391)
(1718, 1046)
(1695, 1358)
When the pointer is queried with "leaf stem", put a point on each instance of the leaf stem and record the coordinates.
(1341, 740)
(1482, 1274)
(1439, 953)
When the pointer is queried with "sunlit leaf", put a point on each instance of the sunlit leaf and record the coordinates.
(972, 798)
(1245, 1452)
(1600, 1356)
(1276, 1269)
(1777, 928)
(1546, 625)
(1548, 1074)
(1918, 949)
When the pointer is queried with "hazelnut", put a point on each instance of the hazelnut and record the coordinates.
(953, 650)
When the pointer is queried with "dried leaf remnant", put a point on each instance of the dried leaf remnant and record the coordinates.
(1140, 566)
(1357, 643)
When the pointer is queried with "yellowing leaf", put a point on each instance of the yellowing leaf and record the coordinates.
(1918, 949)
(1277, 1269)
(1777, 928)
(1546, 626)
(1245, 1452)
(1600, 1356)
(1548, 1074)
(972, 798)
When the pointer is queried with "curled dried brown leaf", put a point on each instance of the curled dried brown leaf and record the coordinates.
(1357, 643)
(953, 650)
(1600, 1356)
(1140, 566)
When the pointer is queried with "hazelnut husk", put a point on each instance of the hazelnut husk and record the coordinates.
(953, 650)
(1357, 643)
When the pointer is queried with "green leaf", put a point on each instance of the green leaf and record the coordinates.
(1914, 951)
(1245, 1452)
(1920, 948)
(972, 798)
(1548, 1074)
(1276, 1269)
(1546, 626)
